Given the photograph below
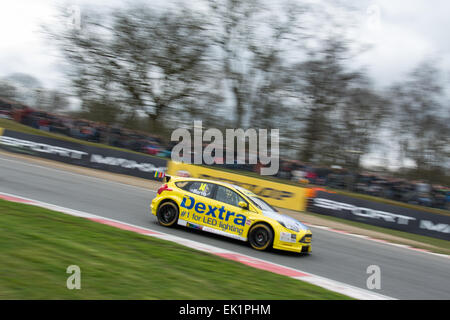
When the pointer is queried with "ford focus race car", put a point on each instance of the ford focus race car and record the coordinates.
(228, 210)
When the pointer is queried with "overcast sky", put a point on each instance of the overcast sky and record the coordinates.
(402, 33)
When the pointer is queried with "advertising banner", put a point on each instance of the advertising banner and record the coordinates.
(111, 160)
(381, 214)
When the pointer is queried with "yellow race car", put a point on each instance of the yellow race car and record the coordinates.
(228, 210)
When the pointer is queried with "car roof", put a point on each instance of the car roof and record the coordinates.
(175, 179)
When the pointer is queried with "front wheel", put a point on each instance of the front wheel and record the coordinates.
(260, 236)
(167, 214)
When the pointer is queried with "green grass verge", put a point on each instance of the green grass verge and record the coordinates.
(37, 245)
(440, 246)
(15, 126)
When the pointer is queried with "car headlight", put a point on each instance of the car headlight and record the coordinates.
(289, 226)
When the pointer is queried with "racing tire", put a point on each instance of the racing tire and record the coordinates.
(260, 236)
(167, 214)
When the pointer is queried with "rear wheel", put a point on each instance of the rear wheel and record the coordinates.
(167, 214)
(260, 236)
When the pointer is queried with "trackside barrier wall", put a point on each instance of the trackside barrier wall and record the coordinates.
(276, 194)
(106, 159)
(381, 214)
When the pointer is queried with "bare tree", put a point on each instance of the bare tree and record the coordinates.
(8, 90)
(135, 60)
(422, 117)
(251, 45)
(339, 112)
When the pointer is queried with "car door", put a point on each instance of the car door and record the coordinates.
(232, 220)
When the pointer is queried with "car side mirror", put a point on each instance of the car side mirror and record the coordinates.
(243, 204)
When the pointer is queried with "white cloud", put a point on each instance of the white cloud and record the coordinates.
(22, 47)
(409, 32)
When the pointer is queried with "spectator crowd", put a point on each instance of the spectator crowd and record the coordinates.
(335, 177)
(375, 184)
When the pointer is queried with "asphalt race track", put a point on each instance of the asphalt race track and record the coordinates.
(405, 274)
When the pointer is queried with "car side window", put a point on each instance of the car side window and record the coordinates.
(201, 188)
(182, 184)
(228, 196)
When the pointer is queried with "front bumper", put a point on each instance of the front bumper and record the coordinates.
(285, 241)
(299, 248)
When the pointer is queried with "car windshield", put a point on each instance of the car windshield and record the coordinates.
(261, 204)
(258, 202)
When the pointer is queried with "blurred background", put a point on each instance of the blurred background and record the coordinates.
(358, 89)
